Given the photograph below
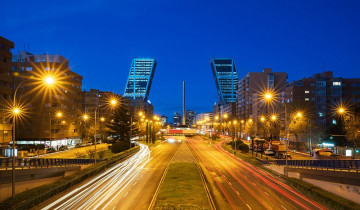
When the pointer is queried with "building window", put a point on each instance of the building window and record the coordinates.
(336, 83)
(334, 122)
(306, 91)
(312, 84)
(307, 99)
(47, 68)
(28, 68)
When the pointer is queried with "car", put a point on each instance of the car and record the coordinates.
(269, 152)
(50, 150)
(282, 156)
(63, 148)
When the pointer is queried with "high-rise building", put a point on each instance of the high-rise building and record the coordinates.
(250, 90)
(204, 116)
(5, 88)
(42, 104)
(177, 119)
(226, 79)
(189, 117)
(321, 93)
(163, 119)
(140, 78)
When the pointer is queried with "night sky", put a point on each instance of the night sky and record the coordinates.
(101, 37)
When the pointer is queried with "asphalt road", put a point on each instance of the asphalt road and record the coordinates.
(130, 184)
(235, 184)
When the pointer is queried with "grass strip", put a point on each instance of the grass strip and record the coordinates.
(32, 197)
(182, 188)
(326, 198)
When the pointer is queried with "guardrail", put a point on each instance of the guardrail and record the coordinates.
(328, 164)
(6, 163)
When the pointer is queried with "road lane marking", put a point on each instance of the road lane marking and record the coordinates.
(283, 207)
(237, 192)
(230, 183)
(135, 183)
(113, 208)
(266, 193)
(126, 194)
(248, 206)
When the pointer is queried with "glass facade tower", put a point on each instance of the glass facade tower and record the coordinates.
(226, 79)
(140, 78)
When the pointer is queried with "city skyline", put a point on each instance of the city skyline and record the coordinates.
(304, 39)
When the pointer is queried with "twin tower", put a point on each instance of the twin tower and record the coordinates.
(142, 72)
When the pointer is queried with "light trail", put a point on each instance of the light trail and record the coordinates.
(270, 181)
(103, 188)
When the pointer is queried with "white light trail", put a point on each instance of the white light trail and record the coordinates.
(105, 187)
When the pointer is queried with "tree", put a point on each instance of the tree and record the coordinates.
(351, 124)
(119, 127)
(86, 131)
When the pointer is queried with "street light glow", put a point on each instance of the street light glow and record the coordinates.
(341, 110)
(49, 80)
(16, 111)
(262, 118)
(113, 102)
(299, 114)
(268, 96)
(59, 114)
(225, 115)
(273, 117)
(102, 119)
(85, 116)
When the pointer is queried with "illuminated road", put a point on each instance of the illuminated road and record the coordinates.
(235, 184)
(128, 185)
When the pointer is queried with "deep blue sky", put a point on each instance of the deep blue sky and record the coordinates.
(100, 37)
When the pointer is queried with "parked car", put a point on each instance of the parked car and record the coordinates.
(282, 156)
(269, 152)
(63, 148)
(50, 150)
(78, 145)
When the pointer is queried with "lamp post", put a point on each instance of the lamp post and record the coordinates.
(15, 113)
(49, 81)
(225, 116)
(234, 123)
(58, 115)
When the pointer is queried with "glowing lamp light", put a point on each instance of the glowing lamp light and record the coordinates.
(113, 102)
(59, 114)
(16, 111)
(262, 118)
(268, 96)
(49, 80)
(85, 116)
(341, 110)
(102, 119)
(299, 114)
(273, 117)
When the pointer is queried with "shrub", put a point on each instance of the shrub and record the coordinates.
(243, 148)
(120, 146)
(79, 154)
(102, 154)
(91, 153)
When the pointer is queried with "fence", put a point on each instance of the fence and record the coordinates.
(329, 164)
(42, 162)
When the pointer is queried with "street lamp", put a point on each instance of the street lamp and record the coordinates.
(58, 115)
(235, 122)
(113, 103)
